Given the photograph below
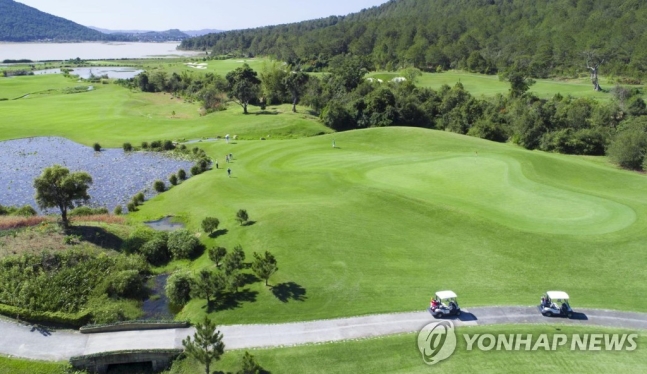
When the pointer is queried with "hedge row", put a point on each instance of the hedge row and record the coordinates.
(67, 319)
(133, 325)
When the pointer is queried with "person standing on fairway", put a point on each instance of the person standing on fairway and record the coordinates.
(333, 143)
(229, 172)
(216, 164)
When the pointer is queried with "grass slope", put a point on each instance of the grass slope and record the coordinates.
(395, 214)
(399, 354)
(112, 115)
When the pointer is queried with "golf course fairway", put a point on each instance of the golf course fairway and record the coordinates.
(391, 215)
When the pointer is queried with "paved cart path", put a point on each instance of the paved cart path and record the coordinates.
(28, 342)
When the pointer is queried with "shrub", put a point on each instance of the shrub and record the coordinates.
(156, 251)
(182, 244)
(159, 186)
(118, 210)
(132, 207)
(128, 147)
(106, 310)
(157, 144)
(127, 283)
(173, 179)
(137, 239)
(140, 198)
(97, 147)
(168, 145)
(144, 145)
(24, 211)
(203, 164)
(183, 147)
(628, 149)
(181, 174)
(196, 170)
(87, 211)
(178, 288)
(210, 224)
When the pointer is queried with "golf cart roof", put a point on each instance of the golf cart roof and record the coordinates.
(445, 295)
(560, 295)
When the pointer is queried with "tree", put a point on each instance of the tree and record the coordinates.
(182, 244)
(207, 345)
(264, 266)
(56, 187)
(519, 79)
(217, 254)
(235, 280)
(210, 224)
(295, 83)
(411, 74)
(628, 149)
(249, 365)
(272, 76)
(234, 261)
(242, 216)
(593, 62)
(243, 85)
(208, 285)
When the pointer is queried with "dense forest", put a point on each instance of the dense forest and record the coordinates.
(550, 37)
(21, 23)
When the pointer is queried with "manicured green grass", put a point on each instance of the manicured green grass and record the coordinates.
(221, 67)
(489, 85)
(112, 115)
(21, 366)
(399, 354)
(394, 214)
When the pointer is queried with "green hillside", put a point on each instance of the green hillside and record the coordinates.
(392, 214)
(478, 35)
(21, 23)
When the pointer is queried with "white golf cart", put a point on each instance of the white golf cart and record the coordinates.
(444, 304)
(555, 303)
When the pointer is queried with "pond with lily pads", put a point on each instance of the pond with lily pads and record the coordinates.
(117, 175)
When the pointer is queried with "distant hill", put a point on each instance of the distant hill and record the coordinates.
(201, 32)
(548, 36)
(21, 23)
(147, 35)
(191, 33)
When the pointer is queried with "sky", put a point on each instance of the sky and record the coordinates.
(161, 15)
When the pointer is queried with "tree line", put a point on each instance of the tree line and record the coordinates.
(485, 36)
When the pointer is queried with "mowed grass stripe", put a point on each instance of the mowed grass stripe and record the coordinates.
(361, 244)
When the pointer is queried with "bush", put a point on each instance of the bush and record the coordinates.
(137, 239)
(196, 170)
(156, 144)
(210, 224)
(181, 174)
(159, 186)
(242, 217)
(68, 319)
(178, 288)
(182, 244)
(628, 149)
(139, 198)
(156, 251)
(168, 145)
(173, 179)
(203, 164)
(144, 145)
(97, 147)
(86, 211)
(24, 211)
(127, 283)
(118, 210)
(128, 147)
(132, 207)
(105, 310)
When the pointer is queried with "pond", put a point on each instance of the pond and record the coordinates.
(164, 224)
(117, 175)
(85, 73)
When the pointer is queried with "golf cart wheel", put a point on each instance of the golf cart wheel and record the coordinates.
(549, 314)
(570, 315)
(438, 315)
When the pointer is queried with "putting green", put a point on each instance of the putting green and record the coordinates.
(393, 214)
(495, 188)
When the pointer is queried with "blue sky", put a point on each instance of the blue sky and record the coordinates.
(194, 14)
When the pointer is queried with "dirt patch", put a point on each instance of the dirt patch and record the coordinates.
(11, 222)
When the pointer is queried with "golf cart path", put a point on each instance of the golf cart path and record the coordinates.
(28, 342)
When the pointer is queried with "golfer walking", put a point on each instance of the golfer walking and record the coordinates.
(229, 172)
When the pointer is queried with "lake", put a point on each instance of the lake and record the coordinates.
(85, 73)
(89, 51)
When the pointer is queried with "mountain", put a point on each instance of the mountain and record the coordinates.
(21, 23)
(546, 37)
(148, 35)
